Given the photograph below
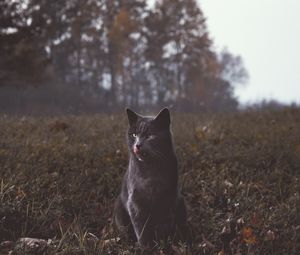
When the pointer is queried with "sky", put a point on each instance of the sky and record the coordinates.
(266, 34)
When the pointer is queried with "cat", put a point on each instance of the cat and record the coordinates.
(150, 207)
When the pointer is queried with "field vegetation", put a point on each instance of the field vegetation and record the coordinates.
(59, 177)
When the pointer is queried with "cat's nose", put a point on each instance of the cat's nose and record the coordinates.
(136, 148)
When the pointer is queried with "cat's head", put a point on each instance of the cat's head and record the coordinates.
(149, 137)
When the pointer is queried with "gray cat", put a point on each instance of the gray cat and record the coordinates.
(150, 207)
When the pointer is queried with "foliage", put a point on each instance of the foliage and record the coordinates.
(239, 175)
(119, 52)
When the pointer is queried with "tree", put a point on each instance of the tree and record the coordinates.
(24, 60)
(233, 69)
(123, 23)
(119, 53)
(179, 50)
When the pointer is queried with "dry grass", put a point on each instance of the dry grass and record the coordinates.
(239, 174)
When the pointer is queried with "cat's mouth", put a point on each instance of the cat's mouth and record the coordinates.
(140, 155)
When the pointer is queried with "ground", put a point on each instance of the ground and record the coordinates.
(59, 177)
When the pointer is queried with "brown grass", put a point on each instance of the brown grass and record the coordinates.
(239, 174)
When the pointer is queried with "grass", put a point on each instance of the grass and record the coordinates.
(240, 174)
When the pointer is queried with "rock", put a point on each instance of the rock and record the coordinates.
(111, 241)
(30, 246)
(6, 247)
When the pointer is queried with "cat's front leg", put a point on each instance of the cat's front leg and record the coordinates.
(123, 221)
(142, 225)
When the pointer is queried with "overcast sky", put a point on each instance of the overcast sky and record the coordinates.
(266, 33)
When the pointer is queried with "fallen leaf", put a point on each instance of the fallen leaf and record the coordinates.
(248, 235)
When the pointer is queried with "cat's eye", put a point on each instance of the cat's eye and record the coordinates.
(134, 135)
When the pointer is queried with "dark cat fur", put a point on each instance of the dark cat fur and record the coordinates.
(150, 207)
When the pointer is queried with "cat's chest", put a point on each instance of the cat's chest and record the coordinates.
(145, 187)
(149, 184)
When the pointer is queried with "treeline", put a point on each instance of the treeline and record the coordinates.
(104, 55)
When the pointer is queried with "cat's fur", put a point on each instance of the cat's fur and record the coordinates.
(150, 207)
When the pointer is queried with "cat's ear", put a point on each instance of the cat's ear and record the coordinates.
(163, 118)
(132, 116)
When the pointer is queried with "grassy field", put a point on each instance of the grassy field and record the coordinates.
(240, 174)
